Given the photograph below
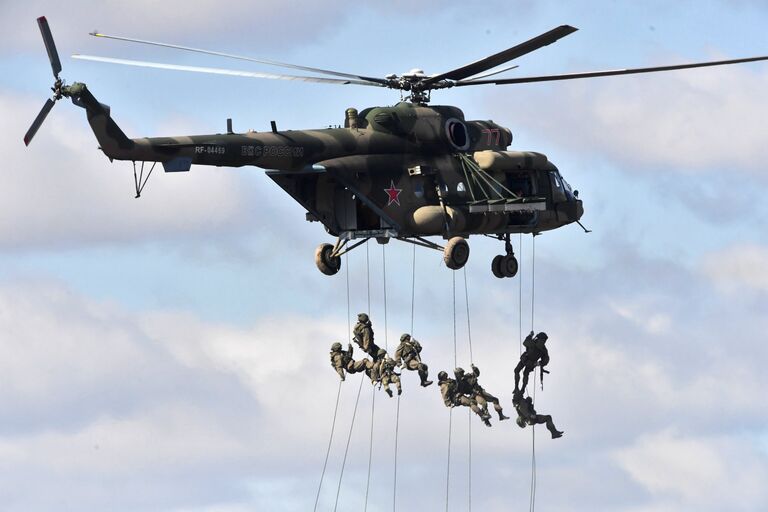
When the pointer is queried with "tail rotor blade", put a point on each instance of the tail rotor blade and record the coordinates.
(38, 121)
(50, 46)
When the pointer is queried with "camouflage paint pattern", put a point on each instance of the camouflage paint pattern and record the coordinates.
(394, 168)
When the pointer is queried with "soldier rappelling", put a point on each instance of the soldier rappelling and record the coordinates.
(363, 336)
(526, 415)
(449, 390)
(382, 372)
(408, 356)
(342, 361)
(468, 385)
(535, 354)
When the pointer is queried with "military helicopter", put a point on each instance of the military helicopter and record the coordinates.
(408, 172)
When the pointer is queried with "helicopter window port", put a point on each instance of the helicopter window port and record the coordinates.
(457, 134)
(568, 190)
(558, 191)
(461, 189)
(520, 183)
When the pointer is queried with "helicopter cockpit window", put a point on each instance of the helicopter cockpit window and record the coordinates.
(568, 189)
(558, 191)
(457, 134)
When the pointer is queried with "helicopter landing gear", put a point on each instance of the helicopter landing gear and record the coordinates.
(505, 265)
(456, 253)
(325, 261)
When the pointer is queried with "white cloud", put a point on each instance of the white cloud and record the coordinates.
(738, 268)
(698, 473)
(62, 191)
(169, 21)
(684, 121)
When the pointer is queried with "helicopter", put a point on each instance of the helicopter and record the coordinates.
(405, 172)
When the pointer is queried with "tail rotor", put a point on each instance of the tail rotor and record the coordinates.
(58, 85)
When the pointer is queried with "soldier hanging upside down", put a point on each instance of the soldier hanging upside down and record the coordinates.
(468, 385)
(342, 361)
(452, 398)
(526, 415)
(363, 335)
(408, 356)
(535, 354)
(382, 371)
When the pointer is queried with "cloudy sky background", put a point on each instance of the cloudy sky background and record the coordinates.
(170, 353)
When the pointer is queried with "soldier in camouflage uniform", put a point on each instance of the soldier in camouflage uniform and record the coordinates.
(382, 371)
(535, 354)
(342, 361)
(468, 385)
(408, 356)
(363, 336)
(526, 415)
(452, 398)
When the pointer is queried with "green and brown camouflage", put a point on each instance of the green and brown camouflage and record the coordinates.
(407, 170)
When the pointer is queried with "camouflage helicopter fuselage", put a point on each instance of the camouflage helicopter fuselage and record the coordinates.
(403, 171)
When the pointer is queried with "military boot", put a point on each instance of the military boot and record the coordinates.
(487, 421)
(502, 417)
(389, 392)
(557, 433)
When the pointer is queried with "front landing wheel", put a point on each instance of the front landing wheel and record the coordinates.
(509, 265)
(456, 253)
(327, 264)
(496, 266)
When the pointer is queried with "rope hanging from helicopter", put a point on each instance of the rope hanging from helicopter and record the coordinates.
(359, 391)
(373, 389)
(532, 490)
(469, 411)
(397, 414)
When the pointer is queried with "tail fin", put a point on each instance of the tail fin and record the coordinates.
(112, 140)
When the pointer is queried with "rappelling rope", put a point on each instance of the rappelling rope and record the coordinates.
(397, 417)
(349, 438)
(328, 451)
(338, 395)
(469, 411)
(373, 389)
(532, 502)
(450, 411)
(384, 265)
(520, 297)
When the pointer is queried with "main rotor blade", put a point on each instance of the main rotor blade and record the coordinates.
(505, 56)
(221, 71)
(50, 46)
(486, 75)
(240, 57)
(38, 121)
(615, 72)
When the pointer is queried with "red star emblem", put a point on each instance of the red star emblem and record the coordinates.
(393, 194)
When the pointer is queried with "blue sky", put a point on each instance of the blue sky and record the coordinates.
(170, 352)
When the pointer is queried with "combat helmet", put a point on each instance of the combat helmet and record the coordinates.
(442, 376)
(336, 347)
(362, 317)
(405, 336)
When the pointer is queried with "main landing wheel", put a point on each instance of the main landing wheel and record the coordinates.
(504, 266)
(456, 253)
(327, 264)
